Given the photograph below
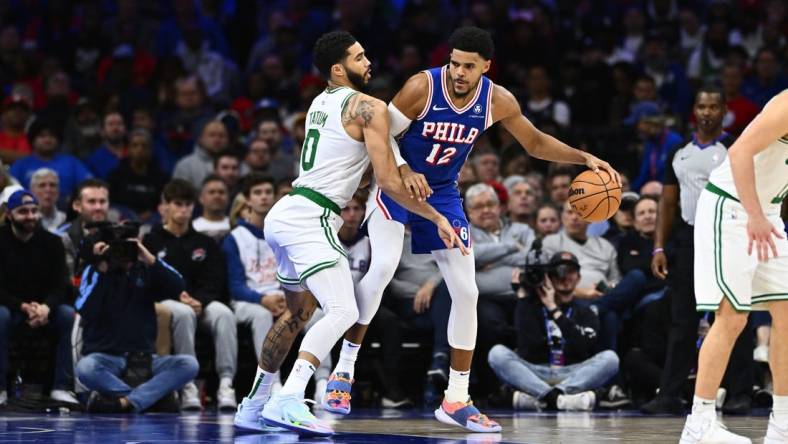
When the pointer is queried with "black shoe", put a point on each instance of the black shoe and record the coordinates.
(167, 404)
(98, 403)
(738, 405)
(663, 405)
(615, 398)
(502, 398)
(762, 398)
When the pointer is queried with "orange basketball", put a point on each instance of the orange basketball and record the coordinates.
(594, 196)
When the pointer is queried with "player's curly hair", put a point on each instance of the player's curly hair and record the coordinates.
(473, 39)
(330, 49)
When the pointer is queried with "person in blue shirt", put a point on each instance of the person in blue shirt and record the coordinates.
(107, 157)
(45, 140)
(658, 140)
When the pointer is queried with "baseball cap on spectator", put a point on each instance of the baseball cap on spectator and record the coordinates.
(19, 198)
(8, 191)
(562, 263)
(266, 103)
(642, 110)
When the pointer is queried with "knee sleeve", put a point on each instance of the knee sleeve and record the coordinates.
(333, 288)
(385, 238)
(459, 273)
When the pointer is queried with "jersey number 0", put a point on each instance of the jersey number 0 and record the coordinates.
(309, 150)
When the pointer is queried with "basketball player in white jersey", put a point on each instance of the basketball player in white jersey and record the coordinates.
(741, 265)
(430, 109)
(345, 130)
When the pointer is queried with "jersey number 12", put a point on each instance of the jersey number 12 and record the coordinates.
(448, 153)
(309, 150)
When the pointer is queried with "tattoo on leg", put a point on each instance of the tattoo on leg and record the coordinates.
(280, 338)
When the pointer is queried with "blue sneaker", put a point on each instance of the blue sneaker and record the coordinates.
(337, 396)
(467, 416)
(290, 412)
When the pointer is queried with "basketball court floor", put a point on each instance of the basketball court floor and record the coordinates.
(363, 426)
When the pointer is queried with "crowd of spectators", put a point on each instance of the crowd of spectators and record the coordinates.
(186, 118)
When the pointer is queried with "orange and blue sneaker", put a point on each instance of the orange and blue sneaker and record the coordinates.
(467, 416)
(337, 397)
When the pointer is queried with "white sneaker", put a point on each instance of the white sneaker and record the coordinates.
(225, 398)
(290, 412)
(3, 397)
(320, 390)
(761, 353)
(776, 434)
(63, 396)
(190, 397)
(706, 429)
(584, 401)
(524, 401)
(248, 416)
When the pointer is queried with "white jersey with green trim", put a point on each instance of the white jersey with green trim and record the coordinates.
(771, 176)
(332, 162)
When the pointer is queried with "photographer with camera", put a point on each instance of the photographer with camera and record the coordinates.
(33, 289)
(557, 365)
(118, 290)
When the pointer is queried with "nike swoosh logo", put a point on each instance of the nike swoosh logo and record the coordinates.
(436, 108)
(352, 345)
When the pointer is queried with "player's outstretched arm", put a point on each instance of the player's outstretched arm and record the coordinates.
(538, 144)
(371, 116)
(767, 126)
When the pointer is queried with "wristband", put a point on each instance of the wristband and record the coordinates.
(657, 250)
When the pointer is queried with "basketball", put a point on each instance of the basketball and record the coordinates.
(594, 196)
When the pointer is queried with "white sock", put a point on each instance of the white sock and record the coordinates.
(261, 389)
(347, 358)
(457, 391)
(703, 407)
(298, 379)
(780, 408)
(226, 382)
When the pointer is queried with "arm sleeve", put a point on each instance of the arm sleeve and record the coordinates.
(166, 281)
(398, 124)
(236, 276)
(580, 333)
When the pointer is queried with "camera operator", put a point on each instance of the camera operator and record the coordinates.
(116, 301)
(33, 288)
(557, 364)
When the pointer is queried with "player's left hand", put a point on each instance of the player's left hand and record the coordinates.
(449, 236)
(595, 164)
(759, 233)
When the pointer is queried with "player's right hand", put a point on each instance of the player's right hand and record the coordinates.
(450, 237)
(759, 233)
(659, 265)
(416, 184)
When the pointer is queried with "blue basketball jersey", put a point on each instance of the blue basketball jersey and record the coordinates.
(439, 141)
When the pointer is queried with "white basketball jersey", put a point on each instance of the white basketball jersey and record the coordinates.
(332, 162)
(771, 176)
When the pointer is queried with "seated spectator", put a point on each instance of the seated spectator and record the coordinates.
(557, 365)
(282, 162)
(182, 127)
(767, 79)
(119, 321)
(228, 167)
(45, 140)
(239, 210)
(522, 203)
(45, 186)
(91, 203)
(14, 143)
(498, 247)
(541, 107)
(741, 110)
(548, 220)
(107, 157)
(651, 188)
(214, 200)
(203, 302)
(658, 140)
(488, 165)
(195, 167)
(558, 183)
(34, 289)
(137, 182)
(256, 294)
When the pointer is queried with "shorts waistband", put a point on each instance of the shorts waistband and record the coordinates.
(317, 198)
(719, 191)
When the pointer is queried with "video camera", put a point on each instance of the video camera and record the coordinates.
(537, 266)
(120, 239)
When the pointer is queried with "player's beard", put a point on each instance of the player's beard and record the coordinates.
(356, 79)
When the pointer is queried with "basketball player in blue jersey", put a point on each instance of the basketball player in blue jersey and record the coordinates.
(438, 115)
